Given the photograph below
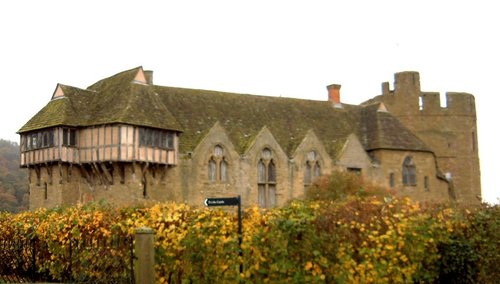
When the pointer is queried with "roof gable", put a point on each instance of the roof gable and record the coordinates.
(58, 93)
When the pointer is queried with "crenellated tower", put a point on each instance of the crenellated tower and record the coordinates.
(450, 131)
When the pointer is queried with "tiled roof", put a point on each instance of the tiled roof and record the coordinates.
(118, 99)
(381, 130)
(243, 116)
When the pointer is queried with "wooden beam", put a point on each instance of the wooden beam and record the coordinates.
(107, 174)
(60, 173)
(97, 172)
(87, 176)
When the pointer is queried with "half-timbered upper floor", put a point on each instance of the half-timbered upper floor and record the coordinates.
(105, 143)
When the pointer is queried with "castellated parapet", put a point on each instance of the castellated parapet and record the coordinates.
(451, 131)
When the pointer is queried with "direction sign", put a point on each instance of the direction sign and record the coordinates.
(230, 201)
(223, 201)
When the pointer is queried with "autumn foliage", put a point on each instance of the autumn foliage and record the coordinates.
(358, 238)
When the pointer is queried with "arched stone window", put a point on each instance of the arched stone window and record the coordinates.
(312, 168)
(217, 165)
(409, 172)
(266, 179)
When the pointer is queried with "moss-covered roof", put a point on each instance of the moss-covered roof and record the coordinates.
(118, 99)
(243, 116)
(381, 130)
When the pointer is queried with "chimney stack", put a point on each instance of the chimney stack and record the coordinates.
(149, 76)
(334, 93)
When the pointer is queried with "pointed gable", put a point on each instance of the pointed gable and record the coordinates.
(265, 139)
(140, 77)
(217, 135)
(353, 154)
(312, 142)
(58, 93)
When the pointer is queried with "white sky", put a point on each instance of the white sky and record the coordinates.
(288, 48)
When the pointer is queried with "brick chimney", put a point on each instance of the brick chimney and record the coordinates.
(334, 94)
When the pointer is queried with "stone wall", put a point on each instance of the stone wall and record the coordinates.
(425, 163)
(451, 131)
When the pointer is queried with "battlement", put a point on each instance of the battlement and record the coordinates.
(456, 103)
(407, 93)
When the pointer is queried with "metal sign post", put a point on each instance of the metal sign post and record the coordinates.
(230, 201)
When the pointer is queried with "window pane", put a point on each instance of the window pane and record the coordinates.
(218, 151)
(51, 138)
(271, 196)
(223, 171)
(311, 156)
(409, 172)
(261, 172)
(262, 196)
(211, 170)
(307, 174)
(163, 139)
(142, 136)
(34, 140)
(266, 154)
(317, 170)
(271, 172)
(413, 175)
(72, 137)
(405, 176)
(156, 138)
(170, 139)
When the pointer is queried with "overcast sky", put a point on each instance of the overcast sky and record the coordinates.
(276, 48)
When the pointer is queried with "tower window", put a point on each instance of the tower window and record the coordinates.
(409, 172)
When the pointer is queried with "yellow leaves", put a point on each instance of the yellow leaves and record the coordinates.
(308, 265)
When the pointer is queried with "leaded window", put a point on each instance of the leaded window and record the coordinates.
(409, 172)
(69, 137)
(266, 179)
(312, 168)
(217, 166)
(159, 138)
(39, 139)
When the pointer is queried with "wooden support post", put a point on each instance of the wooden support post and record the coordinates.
(87, 176)
(144, 267)
(97, 172)
(48, 167)
(108, 176)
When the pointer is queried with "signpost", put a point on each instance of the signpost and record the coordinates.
(229, 201)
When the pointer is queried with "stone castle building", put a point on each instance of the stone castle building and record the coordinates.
(129, 141)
